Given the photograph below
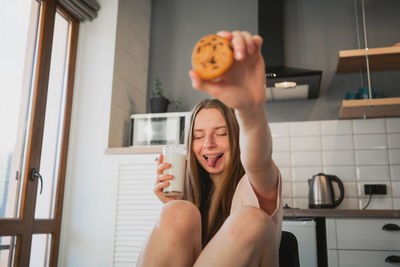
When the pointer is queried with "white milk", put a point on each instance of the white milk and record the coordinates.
(176, 156)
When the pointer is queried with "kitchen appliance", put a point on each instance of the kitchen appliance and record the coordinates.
(283, 82)
(305, 230)
(321, 193)
(159, 128)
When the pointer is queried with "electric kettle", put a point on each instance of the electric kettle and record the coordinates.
(321, 193)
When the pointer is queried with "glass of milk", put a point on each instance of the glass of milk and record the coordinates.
(176, 156)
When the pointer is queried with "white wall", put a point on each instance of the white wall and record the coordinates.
(87, 224)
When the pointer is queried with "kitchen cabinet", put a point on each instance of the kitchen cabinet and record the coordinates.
(362, 242)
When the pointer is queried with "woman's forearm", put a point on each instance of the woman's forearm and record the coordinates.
(256, 147)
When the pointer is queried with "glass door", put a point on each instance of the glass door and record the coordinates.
(36, 78)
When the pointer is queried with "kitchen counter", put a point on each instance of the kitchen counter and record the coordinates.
(342, 213)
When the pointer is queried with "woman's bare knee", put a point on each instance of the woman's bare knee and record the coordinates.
(180, 217)
(251, 224)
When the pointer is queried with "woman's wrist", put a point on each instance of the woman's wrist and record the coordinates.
(251, 114)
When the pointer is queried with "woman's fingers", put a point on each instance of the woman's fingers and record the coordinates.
(239, 45)
(225, 34)
(248, 39)
(258, 40)
(158, 188)
(164, 177)
(160, 159)
(163, 167)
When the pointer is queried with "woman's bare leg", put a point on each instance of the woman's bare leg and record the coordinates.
(247, 238)
(175, 239)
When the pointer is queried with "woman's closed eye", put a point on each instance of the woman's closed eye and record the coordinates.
(221, 133)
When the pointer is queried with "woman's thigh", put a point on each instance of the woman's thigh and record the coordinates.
(247, 238)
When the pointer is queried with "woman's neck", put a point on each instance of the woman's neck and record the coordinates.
(217, 180)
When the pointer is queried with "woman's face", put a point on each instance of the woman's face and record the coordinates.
(211, 141)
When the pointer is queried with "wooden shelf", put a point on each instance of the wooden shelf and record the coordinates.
(380, 59)
(370, 108)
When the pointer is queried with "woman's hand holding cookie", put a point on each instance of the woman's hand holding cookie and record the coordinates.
(242, 86)
(162, 180)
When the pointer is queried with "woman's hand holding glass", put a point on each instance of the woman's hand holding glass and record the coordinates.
(162, 180)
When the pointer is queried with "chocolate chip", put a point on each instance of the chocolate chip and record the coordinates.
(212, 60)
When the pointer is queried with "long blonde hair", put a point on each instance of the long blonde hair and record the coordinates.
(199, 187)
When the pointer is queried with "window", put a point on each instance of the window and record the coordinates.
(36, 79)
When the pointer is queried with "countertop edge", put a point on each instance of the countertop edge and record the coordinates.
(340, 213)
(133, 150)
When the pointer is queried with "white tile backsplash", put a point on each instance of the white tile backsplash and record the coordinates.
(338, 158)
(305, 128)
(306, 143)
(396, 189)
(369, 126)
(281, 144)
(373, 172)
(280, 129)
(394, 156)
(357, 151)
(312, 158)
(393, 140)
(336, 127)
(395, 172)
(286, 173)
(282, 159)
(396, 203)
(349, 203)
(372, 157)
(301, 203)
(337, 142)
(393, 125)
(300, 189)
(370, 141)
(345, 173)
(383, 203)
(286, 189)
(304, 173)
(350, 189)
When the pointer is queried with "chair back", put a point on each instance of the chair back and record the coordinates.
(288, 250)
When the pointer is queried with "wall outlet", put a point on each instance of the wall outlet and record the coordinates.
(375, 189)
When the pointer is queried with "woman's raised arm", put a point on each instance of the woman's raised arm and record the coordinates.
(242, 88)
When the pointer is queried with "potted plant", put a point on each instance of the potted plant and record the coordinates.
(159, 103)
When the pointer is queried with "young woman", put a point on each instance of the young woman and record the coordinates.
(232, 213)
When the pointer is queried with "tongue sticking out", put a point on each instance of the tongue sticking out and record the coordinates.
(211, 161)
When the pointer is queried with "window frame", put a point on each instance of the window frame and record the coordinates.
(25, 226)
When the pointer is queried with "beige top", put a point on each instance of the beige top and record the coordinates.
(245, 196)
